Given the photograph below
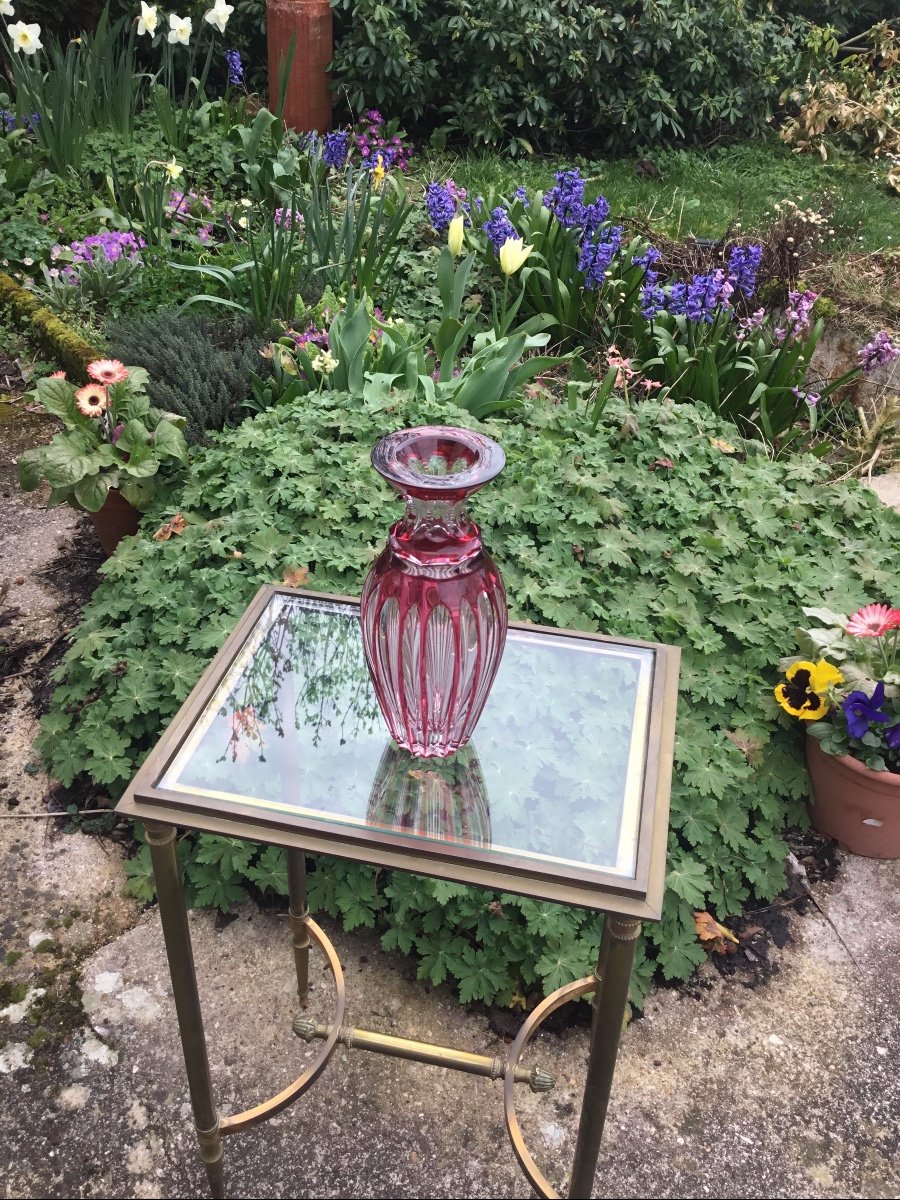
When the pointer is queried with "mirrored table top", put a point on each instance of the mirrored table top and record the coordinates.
(562, 793)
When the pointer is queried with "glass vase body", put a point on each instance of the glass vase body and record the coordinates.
(433, 607)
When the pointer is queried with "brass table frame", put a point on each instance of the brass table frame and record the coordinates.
(161, 812)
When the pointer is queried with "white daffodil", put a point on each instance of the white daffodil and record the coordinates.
(6, 9)
(180, 29)
(455, 234)
(25, 38)
(242, 223)
(148, 20)
(218, 15)
(512, 255)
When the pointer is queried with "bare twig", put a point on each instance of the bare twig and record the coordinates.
(798, 871)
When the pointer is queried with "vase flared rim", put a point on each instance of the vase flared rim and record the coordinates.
(483, 457)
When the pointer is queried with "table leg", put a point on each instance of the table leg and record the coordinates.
(613, 975)
(172, 914)
(298, 913)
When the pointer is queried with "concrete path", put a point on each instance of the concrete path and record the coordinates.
(790, 1088)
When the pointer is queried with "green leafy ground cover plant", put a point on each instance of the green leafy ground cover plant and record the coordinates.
(663, 534)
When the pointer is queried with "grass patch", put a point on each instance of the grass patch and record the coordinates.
(703, 192)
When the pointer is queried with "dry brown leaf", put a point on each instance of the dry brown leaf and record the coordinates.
(295, 576)
(177, 525)
(749, 746)
(714, 935)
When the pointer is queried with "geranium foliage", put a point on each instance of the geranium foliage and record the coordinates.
(678, 532)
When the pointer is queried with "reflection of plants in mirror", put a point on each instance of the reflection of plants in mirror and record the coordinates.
(435, 798)
(308, 662)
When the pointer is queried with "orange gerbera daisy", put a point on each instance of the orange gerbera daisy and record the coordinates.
(91, 400)
(108, 370)
(873, 620)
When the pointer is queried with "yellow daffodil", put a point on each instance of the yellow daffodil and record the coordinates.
(148, 20)
(173, 170)
(378, 173)
(455, 234)
(512, 255)
(25, 38)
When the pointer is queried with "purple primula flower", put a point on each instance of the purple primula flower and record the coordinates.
(441, 205)
(499, 227)
(743, 265)
(337, 147)
(596, 255)
(878, 353)
(235, 68)
(204, 233)
(311, 336)
(108, 246)
(862, 710)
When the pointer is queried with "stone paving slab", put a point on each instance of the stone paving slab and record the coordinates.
(787, 1090)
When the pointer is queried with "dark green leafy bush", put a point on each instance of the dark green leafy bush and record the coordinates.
(664, 535)
(624, 74)
(199, 366)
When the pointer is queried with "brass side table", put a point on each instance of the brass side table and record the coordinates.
(562, 795)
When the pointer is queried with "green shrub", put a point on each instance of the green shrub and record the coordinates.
(662, 535)
(199, 366)
(623, 74)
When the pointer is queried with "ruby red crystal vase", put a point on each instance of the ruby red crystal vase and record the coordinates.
(433, 607)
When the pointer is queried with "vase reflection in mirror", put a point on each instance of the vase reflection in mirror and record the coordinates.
(433, 607)
(442, 798)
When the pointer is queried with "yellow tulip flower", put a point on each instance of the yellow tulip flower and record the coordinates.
(512, 255)
(455, 234)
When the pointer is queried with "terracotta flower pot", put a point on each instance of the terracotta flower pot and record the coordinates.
(857, 807)
(115, 520)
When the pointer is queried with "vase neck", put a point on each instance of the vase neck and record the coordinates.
(436, 530)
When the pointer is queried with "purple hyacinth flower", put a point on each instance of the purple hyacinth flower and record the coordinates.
(441, 205)
(878, 353)
(499, 228)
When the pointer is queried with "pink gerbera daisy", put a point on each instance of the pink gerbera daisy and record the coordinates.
(91, 400)
(108, 370)
(873, 620)
(57, 375)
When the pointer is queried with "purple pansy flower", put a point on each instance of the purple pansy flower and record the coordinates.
(862, 710)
